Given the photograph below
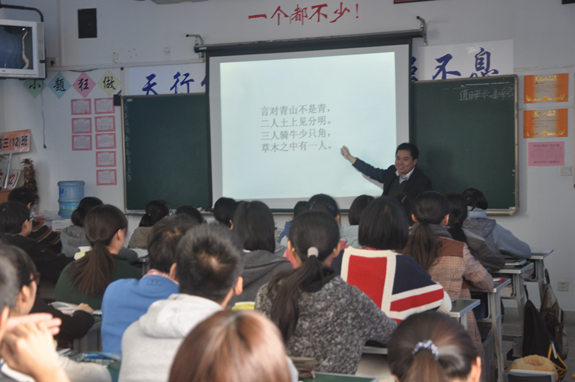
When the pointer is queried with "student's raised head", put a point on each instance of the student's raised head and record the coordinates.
(209, 263)
(323, 202)
(155, 211)
(299, 208)
(8, 285)
(105, 227)
(407, 205)
(254, 224)
(192, 212)
(23, 195)
(383, 225)
(357, 207)
(27, 279)
(475, 199)
(15, 218)
(232, 346)
(86, 204)
(224, 211)
(314, 241)
(457, 215)
(430, 208)
(433, 347)
(164, 239)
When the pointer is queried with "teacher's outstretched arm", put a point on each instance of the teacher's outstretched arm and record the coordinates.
(345, 153)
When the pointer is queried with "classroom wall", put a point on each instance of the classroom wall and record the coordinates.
(144, 33)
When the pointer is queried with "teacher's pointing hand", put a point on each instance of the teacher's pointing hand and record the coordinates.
(345, 153)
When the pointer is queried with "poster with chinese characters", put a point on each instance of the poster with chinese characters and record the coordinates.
(81, 142)
(12, 142)
(166, 79)
(546, 88)
(107, 123)
(547, 154)
(545, 123)
(81, 125)
(105, 141)
(105, 159)
(104, 105)
(81, 106)
(316, 13)
(106, 177)
(479, 59)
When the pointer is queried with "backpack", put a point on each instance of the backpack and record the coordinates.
(537, 339)
(554, 318)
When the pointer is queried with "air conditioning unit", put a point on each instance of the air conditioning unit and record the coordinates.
(176, 1)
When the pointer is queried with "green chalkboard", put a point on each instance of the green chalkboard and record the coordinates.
(466, 132)
(166, 150)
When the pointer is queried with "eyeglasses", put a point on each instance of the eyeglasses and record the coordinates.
(31, 217)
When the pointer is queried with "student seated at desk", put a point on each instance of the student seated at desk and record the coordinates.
(86, 279)
(395, 282)
(320, 315)
(254, 224)
(27, 276)
(208, 267)
(433, 347)
(350, 232)
(299, 208)
(448, 261)
(15, 226)
(496, 237)
(233, 346)
(126, 300)
(192, 212)
(156, 210)
(40, 233)
(73, 237)
(224, 211)
(491, 260)
(27, 343)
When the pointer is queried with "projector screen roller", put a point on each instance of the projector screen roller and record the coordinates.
(279, 120)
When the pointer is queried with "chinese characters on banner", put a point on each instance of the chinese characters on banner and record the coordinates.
(167, 79)
(316, 13)
(12, 142)
(480, 59)
(294, 128)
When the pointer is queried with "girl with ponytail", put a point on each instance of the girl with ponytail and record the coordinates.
(86, 279)
(318, 314)
(447, 261)
(433, 347)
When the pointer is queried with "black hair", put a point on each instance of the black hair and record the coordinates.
(12, 217)
(209, 262)
(164, 239)
(383, 225)
(192, 212)
(156, 210)
(254, 224)
(457, 215)
(407, 205)
(23, 195)
(311, 229)
(323, 202)
(299, 208)
(475, 198)
(86, 204)
(430, 208)
(456, 351)
(23, 264)
(413, 150)
(357, 207)
(91, 274)
(8, 276)
(224, 210)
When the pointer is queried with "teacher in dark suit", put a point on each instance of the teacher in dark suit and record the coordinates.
(402, 177)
